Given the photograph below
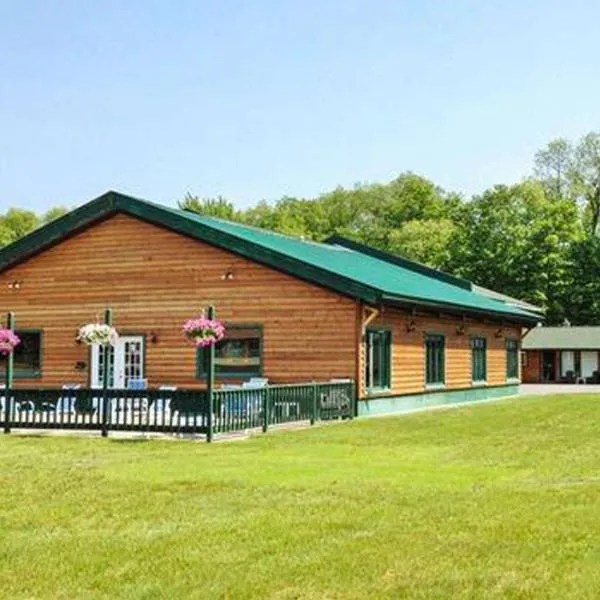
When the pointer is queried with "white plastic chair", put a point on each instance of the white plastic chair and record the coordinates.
(66, 402)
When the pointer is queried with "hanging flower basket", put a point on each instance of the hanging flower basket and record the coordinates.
(9, 340)
(203, 331)
(98, 333)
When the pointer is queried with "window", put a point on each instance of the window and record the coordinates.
(378, 359)
(434, 360)
(237, 355)
(27, 355)
(512, 359)
(479, 359)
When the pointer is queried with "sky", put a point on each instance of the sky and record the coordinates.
(256, 99)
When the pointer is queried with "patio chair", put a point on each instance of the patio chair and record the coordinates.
(161, 404)
(66, 402)
(254, 402)
(138, 402)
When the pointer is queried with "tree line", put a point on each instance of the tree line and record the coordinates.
(537, 240)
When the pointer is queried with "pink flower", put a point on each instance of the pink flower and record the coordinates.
(203, 331)
(8, 340)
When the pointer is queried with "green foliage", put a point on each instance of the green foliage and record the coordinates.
(16, 223)
(572, 171)
(516, 240)
(54, 213)
(211, 207)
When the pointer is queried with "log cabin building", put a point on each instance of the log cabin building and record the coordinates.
(295, 310)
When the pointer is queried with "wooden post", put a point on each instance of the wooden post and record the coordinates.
(10, 361)
(210, 382)
(108, 319)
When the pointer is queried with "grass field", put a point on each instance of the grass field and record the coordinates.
(492, 501)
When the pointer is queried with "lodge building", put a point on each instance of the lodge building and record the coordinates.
(295, 310)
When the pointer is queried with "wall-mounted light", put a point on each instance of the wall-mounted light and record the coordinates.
(154, 337)
(227, 275)
(411, 326)
(461, 329)
(498, 333)
(15, 285)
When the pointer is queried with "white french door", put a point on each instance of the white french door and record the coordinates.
(125, 362)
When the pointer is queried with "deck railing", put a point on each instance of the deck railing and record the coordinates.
(175, 411)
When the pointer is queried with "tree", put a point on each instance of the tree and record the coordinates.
(517, 240)
(211, 207)
(572, 171)
(584, 284)
(54, 213)
(16, 223)
(553, 167)
(427, 241)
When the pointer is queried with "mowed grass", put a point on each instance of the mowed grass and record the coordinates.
(491, 501)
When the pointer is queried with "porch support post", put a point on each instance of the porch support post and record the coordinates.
(10, 361)
(210, 382)
(108, 319)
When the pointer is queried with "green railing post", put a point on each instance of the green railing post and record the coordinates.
(266, 409)
(108, 319)
(313, 404)
(210, 382)
(354, 397)
(10, 361)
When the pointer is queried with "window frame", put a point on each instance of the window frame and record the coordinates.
(387, 362)
(429, 336)
(516, 350)
(26, 374)
(200, 355)
(474, 349)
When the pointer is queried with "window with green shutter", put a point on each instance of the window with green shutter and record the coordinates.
(479, 359)
(378, 363)
(512, 358)
(435, 359)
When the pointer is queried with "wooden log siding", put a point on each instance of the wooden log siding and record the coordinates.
(154, 279)
(408, 350)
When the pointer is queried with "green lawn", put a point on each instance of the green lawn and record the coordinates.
(491, 501)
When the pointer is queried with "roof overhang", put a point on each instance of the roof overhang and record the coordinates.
(409, 303)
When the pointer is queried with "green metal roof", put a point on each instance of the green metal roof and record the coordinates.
(347, 270)
(567, 338)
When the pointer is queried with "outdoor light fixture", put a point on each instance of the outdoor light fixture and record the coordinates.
(460, 330)
(498, 333)
(411, 326)
(15, 285)
(154, 337)
(228, 275)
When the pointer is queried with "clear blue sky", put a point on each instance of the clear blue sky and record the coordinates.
(255, 99)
